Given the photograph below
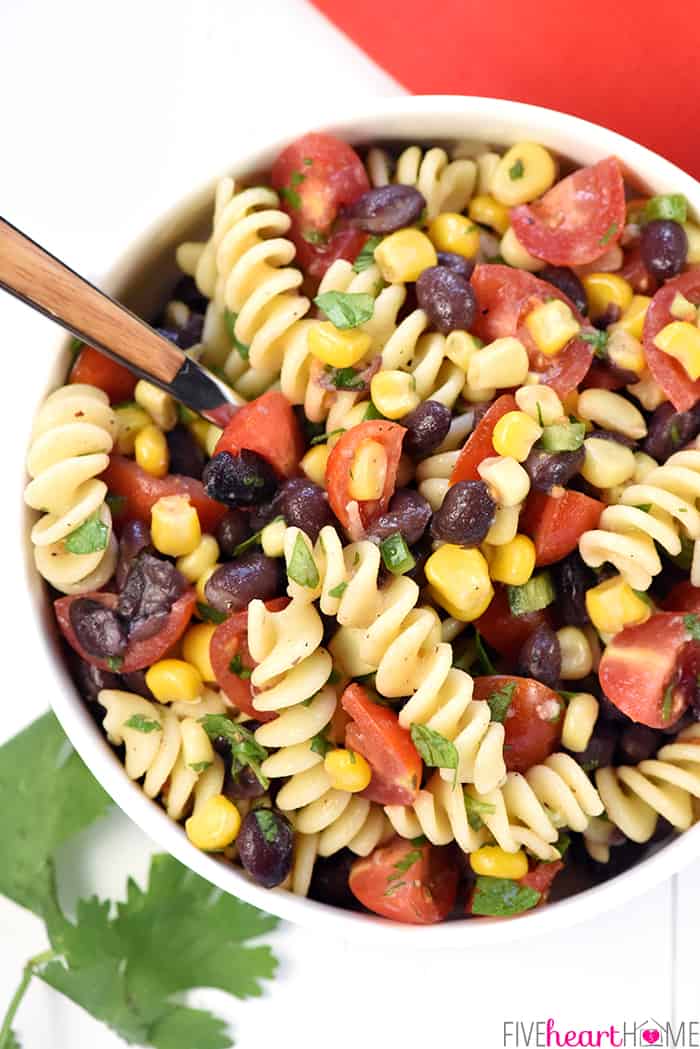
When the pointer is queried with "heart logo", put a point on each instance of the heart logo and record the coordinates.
(651, 1037)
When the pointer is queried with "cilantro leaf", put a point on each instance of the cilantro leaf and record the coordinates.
(230, 319)
(345, 379)
(502, 897)
(435, 750)
(323, 437)
(142, 724)
(476, 809)
(598, 340)
(338, 591)
(485, 660)
(692, 625)
(291, 197)
(116, 503)
(209, 614)
(267, 822)
(499, 701)
(609, 234)
(253, 539)
(89, 537)
(182, 1027)
(245, 750)
(236, 667)
(346, 309)
(667, 706)
(320, 745)
(517, 170)
(366, 257)
(302, 567)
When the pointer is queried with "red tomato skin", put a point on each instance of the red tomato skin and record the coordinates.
(669, 373)
(556, 525)
(505, 297)
(530, 737)
(320, 174)
(540, 878)
(683, 597)
(578, 219)
(635, 272)
(96, 369)
(390, 436)
(504, 631)
(269, 427)
(139, 654)
(375, 733)
(479, 443)
(141, 491)
(231, 639)
(641, 661)
(423, 894)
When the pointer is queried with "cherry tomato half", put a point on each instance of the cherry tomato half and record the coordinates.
(578, 219)
(504, 631)
(140, 491)
(269, 427)
(390, 436)
(95, 369)
(139, 654)
(375, 733)
(555, 525)
(533, 720)
(229, 641)
(479, 443)
(649, 671)
(406, 882)
(316, 176)
(670, 374)
(683, 597)
(505, 297)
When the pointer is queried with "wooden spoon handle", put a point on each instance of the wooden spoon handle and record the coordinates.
(42, 281)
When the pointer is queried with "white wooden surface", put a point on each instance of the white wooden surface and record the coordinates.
(109, 109)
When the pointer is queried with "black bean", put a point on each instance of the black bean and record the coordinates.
(637, 743)
(135, 681)
(98, 629)
(187, 291)
(135, 537)
(235, 584)
(243, 785)
(613, 435)
(188, 335)
(304, 505)
(601, 748)
(567, 281)
(540, 657)
(265, 845)
(232, 531)
(244, 479)
(669, 430)
(186, 457)
(91, 679)
(664, 247)
(408, 513)
(427, 427)
(466, 514)
(457, 263)
(386, 209)
(151, 588)
(572, 578)
(448, 299)
(547, 469)
(610, 712)
(610, 315)
(330, 882)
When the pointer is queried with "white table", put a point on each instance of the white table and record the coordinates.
(108, 109)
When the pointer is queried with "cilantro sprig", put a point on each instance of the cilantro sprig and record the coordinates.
(245, 750)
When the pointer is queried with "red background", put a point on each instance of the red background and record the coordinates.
(633, 67)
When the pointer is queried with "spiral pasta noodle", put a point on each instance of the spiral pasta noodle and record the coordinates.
(72, 437)
(635, 796)
(440, 814)
(157, 756)
(446, 185)
(627, 532)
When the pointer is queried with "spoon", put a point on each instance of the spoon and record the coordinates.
(42, 281)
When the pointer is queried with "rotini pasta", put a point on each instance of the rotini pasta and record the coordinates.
(71, 440)
(446, 185)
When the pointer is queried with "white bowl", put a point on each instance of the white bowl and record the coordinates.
(429, 119)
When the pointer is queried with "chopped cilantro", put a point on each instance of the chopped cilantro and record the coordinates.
(499, 701)
(320, 745)
(667, 707)
(92, 535)
(253, 539)
(344, 378)
(346, 309)
(302, 567)
(366, 257)
(435, 750)
(609, 234)
(396, 555)
(517, 170)
(209, 614)
(501, 897)
(692, 625)
(290, 197)
(236, 667)
(115, 663)
(142, 724)
(230, 319)
(598, 340)
(484, 658)
(116, 503)
(476, 808)
(200, 766)
(245, 750)
(323, 437)
(338, 590)
(267, 821)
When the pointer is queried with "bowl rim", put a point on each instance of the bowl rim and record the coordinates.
(358, 122)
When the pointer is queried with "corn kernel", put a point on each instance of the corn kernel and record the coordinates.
(606, 463)
(514, 434)
(682, 309)
(489, 212)
(681, 340)
(505, 526)
(200, 586)
(347, 770)
(272, 538)
(160, 405)
(507, 478)
(611, 412)
(197, 751)
(175, 528)
(692, 232)
(579, 722)
(340, 349)
(648, 392)
(314, 463)
(205, 554)
(214, 825)
(402, 256)
(195, 649)
(151, 451)
(524, 173)
(394, 393)
(626, 351)
(514, 562)
(500, 365)
(459, 580)
(613, 605)
(368, 472)
(632, 320)
(576, 653)
(131, 419)
(172, 680)
(494, 862)
(604, 290)
(455, 233)
(514, 254)
(552, 326)
(541, 403)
